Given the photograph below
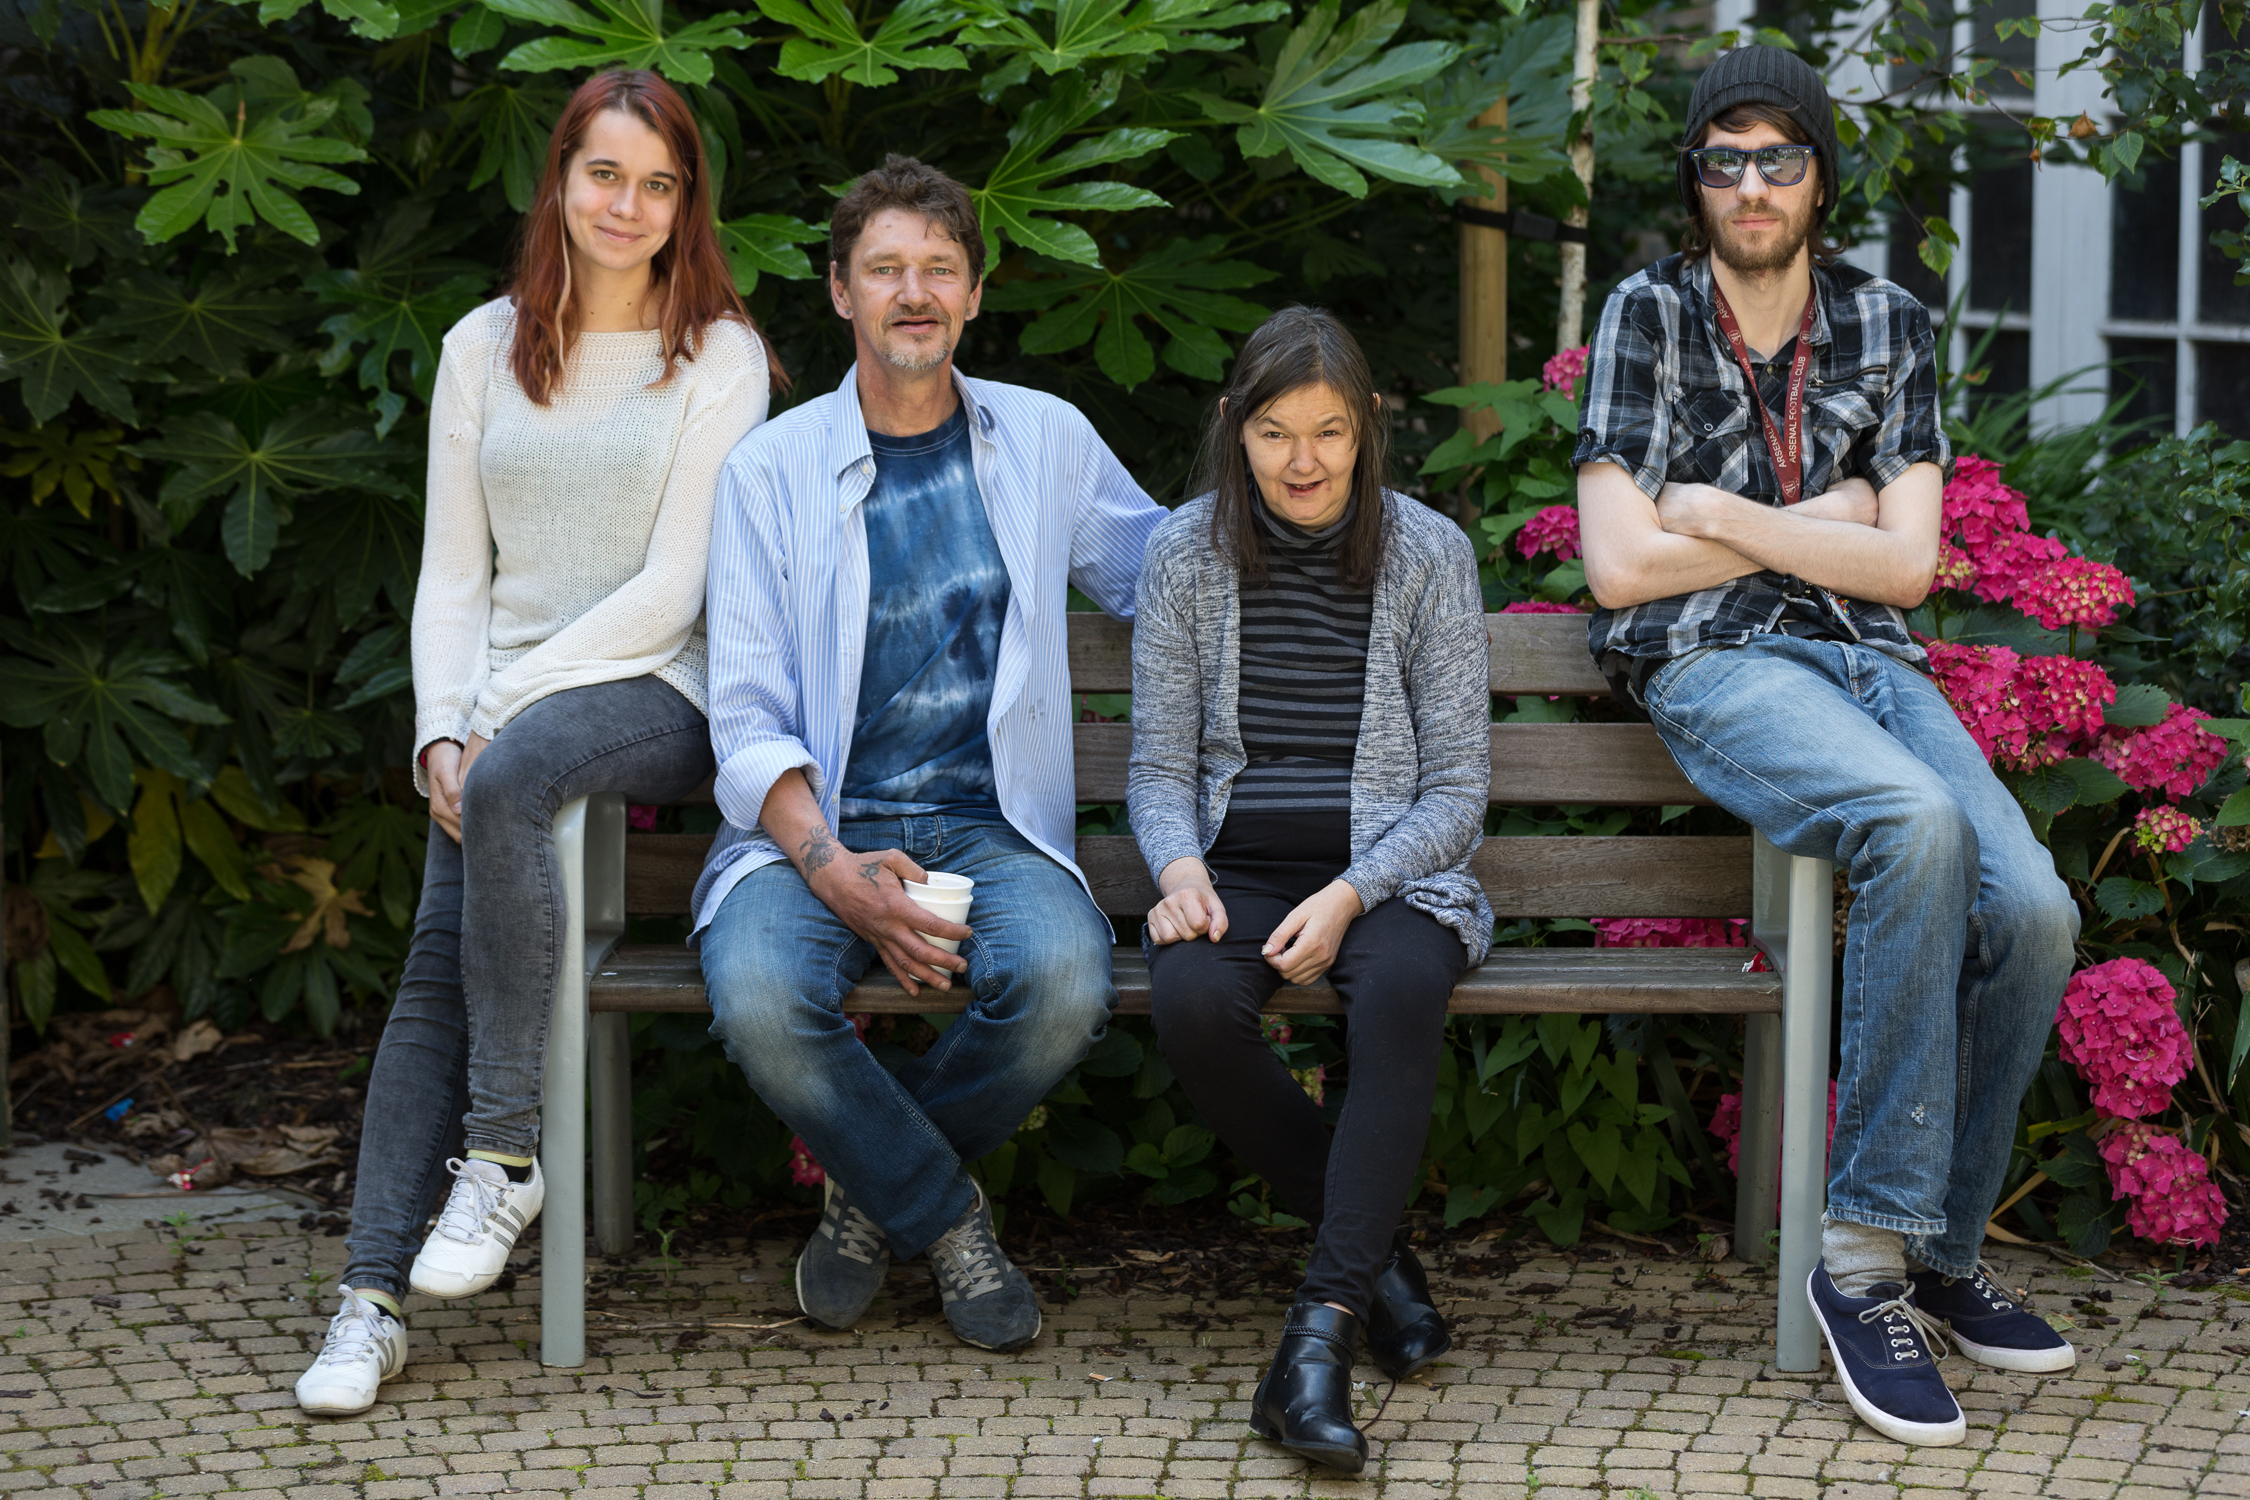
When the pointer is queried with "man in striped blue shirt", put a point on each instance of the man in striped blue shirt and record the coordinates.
(890, 695)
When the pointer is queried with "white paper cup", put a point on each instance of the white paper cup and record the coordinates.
(946, 897)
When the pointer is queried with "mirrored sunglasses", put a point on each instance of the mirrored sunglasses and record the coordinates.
(1779, 166)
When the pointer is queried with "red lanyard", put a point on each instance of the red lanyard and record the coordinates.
(1788, 462)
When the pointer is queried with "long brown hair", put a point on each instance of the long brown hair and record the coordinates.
(1295, 348)
(689, 274)
(1695, 240)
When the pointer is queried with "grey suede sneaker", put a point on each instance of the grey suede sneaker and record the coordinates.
(987, 1300)
(844, 1262)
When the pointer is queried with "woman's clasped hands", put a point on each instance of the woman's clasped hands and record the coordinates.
(1300, 949)
(447, 764)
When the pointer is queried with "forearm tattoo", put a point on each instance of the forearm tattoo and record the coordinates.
(816, 851)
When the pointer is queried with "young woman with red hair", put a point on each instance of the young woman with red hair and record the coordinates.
(576, 436)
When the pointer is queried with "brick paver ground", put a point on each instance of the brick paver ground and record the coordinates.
(135, 1364)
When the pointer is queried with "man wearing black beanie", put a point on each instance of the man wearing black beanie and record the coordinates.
(1760, 485)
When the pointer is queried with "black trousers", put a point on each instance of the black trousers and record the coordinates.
(1395, 971)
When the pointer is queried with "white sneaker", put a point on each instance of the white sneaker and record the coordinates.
(365, 1346)
(477, 1228)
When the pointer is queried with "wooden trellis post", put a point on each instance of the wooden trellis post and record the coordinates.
(1484, 288)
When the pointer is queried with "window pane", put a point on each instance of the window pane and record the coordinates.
(2222, 380)
(2007, 361)
(1936, 33)
(2151, 365)
(2144, 242)
(2013, 52)
(2219, 300)
(2000, 224)
(1903, 257)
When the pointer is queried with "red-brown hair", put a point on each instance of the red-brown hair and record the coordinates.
(689, 275)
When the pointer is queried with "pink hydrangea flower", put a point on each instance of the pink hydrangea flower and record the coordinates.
(1979, 509)
(1314, 1081)
(2073, 591)
(1726, 1124)
(2174, 1200)
(1980, 683)
(1554, 529)
(1563, 371)
(640, 816)
(2009, 560)
(1670, 932)
(2174, 757)
(1275, 1028)
(2062, 700)
(803, 1169)
(1539, 607)
(1955, 568)
(2164, 830)
(2120, 1031)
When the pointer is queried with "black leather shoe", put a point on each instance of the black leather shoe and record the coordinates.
(1405, 1331)
(1305, 1401)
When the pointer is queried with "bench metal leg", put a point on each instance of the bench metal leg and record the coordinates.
(1757, 1181)
(562, 1119)
(611, 1067)
(1804, 1105)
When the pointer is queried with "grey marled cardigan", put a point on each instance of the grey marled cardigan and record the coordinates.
(1422, 772)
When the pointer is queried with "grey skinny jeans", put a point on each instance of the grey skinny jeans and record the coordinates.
(452, 1074)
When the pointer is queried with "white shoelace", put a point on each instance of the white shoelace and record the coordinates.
(1902, 1322)
(474, 1199)
(1984, 1283)
(355, 1334)
(965, 1260)
(857, 1237)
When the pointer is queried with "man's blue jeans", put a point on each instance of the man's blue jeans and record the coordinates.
(1960, 936)
(778, 964)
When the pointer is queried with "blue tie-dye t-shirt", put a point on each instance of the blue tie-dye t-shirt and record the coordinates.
(937, 595)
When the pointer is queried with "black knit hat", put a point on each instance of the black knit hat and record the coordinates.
(1763, 75)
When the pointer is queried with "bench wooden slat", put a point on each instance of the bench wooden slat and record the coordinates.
(1513, 981)
(1533, 765)
(1524, 877)
(1543, 654)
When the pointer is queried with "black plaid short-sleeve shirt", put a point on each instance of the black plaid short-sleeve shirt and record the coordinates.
(1666, 402)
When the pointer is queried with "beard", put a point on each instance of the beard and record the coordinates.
(1746, 260)
(917, 357)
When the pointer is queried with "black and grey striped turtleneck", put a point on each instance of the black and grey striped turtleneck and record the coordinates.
(1304, 672)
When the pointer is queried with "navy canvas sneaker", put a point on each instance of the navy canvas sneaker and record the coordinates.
(1883, 1352)
(1990, 1326)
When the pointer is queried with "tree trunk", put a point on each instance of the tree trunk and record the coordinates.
(1570, 317)
(1484, 290)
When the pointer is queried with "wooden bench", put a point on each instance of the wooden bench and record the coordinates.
(610, 874)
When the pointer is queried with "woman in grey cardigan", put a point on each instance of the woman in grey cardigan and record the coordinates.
(1309, 777)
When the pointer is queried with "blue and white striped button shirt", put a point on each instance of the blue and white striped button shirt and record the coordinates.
(786, 606)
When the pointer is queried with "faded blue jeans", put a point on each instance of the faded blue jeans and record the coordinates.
(1960, 936)
(778, 963)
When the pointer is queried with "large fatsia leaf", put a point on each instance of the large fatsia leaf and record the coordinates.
(399, 299)
(377, 20)
(74, 222)
(211, 326)
(830, 40)
(513, 121)
(1533, 72)
(766, 244)
(1340, 104)
(1021, 190)
(1062, 36)
(1180, 287)
(299, 451)
(364, 544)
(619, 33)
(237, 154)
(55, 361)
(101, 712)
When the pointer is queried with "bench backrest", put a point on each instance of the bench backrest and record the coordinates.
(1606, 765)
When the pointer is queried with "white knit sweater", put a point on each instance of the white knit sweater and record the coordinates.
(565, 545)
